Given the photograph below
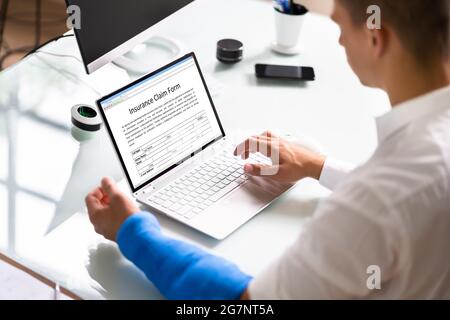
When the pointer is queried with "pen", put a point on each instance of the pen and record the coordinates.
(287, 6)
(277, 5)
(282, 5)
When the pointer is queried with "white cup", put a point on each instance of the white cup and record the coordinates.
(288, 28)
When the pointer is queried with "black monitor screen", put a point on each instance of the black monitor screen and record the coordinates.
(106, 24)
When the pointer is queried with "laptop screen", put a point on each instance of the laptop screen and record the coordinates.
(161, 120)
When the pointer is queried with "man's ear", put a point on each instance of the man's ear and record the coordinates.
(378, 42)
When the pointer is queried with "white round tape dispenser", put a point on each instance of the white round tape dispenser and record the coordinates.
(86, 121)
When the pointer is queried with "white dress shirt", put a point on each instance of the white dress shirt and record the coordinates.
(392, 213)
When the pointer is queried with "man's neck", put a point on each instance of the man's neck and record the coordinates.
(404, 86)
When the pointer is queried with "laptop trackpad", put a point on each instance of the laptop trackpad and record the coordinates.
(232, 211)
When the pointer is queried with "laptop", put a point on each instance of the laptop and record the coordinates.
(175, 154)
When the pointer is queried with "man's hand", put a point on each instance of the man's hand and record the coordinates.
(108, 209)
(290, 163)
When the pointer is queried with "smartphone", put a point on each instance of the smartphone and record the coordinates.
(272, 71)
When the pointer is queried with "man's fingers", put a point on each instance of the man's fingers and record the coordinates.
(93, 203)
(260, 145)
(253, 145)
(265, 136)
(109, 187)
(260, 170)
(241, 148)
(97, 193)
(245, 155)
(268, 134)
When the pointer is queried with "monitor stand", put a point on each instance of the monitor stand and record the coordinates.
(156, 52)
(150, 55)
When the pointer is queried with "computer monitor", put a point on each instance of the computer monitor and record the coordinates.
(111, 28)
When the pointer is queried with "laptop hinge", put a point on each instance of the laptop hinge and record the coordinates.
(146, 189)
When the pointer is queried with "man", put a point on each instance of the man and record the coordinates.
(390, 216)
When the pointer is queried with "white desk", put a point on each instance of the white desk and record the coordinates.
(44, 173)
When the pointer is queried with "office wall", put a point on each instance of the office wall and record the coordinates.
(20, 26)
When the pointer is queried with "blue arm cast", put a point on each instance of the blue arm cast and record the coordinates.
(179, 270)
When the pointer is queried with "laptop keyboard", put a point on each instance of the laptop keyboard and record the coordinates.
(193, 193)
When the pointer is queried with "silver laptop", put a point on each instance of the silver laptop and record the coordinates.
(175, 155)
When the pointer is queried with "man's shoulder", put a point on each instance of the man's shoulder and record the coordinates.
(413, 162)
(422, 146)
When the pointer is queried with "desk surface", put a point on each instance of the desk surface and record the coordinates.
(45, 172)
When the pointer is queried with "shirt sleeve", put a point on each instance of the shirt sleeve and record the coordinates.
(334, 172)
(331, 257)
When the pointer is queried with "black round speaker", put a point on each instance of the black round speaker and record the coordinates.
(230, 50)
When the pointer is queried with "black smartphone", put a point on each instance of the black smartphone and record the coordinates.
(285, 72)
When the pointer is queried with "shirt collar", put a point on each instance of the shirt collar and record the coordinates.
(408, 111)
